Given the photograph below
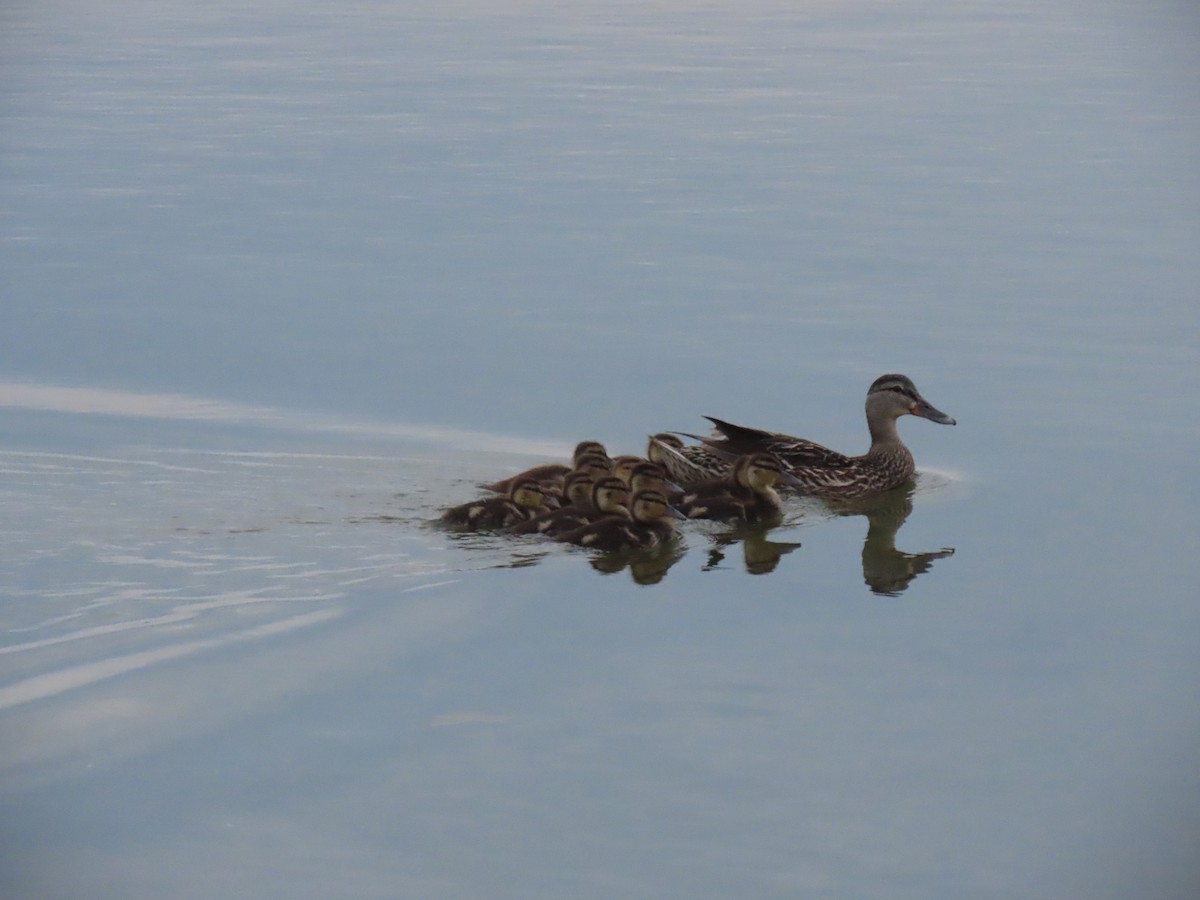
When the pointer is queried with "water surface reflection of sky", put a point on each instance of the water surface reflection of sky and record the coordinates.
(282, 282)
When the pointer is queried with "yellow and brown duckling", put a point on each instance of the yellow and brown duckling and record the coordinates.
(648, 476)
(552, 475)
(579, 509)
(525, 499)
(648, 524)
(624, 465)
(748, 494)
(824, 472)
(609, 499)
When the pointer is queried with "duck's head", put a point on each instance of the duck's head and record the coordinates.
(652, 506)
(610, 495)
(657, 450)
(623, 466)
(584, 448)
(595, 464)
(892, 396)
(647, 476)
(577, 487)
(762, 471)
(527, 493)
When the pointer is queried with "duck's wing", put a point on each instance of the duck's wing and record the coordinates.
(691, 465)
(738, 440)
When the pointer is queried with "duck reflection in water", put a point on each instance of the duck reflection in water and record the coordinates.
(645, 566)
(886, 570)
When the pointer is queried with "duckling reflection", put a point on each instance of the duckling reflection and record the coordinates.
(646, 566)
(886, 570)
(760, 555)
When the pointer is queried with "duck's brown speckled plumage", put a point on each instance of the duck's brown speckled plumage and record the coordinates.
(686, 465)
(824, 472)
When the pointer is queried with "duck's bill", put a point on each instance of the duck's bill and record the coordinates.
(676, 512)
(932, 413)
(789, 480)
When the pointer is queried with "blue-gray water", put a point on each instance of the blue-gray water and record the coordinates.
(280, 282)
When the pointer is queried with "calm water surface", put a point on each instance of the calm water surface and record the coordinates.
(280, 283)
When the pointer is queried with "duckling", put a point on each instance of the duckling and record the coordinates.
(624, 465)
(551, 475)
(596, 464)
(610, 497)
(748, 495)
(577, 491)
(524, 500)
(584, 448)
(648, 476)
(686, 465)
(647, 525)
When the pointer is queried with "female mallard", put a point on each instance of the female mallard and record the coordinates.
(686, 465)
(647, 525)
(748, 494)
(824, 472)
(524, 500)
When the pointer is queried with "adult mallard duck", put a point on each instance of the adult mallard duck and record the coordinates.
(647, 525)
(524, 501)
(683, 464)
(748, 494)
(824, 472)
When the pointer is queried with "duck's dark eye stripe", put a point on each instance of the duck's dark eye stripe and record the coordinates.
(898, 387)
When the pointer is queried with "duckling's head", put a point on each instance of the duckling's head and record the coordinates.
(623, 466)
(584, 448)
(610, 495)
(527, 493)
(652, 506)
(647, 476)
(595, 464)
(577, 488)
(892, 396)
(763, 471)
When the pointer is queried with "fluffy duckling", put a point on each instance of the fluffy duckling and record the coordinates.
(648, 476)
(623, 466)
(610, 497)
(524, 500)
(577, 492)
(647, 525)
(748, 494)
(552, 475)
(585, 448)
(596, 464)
